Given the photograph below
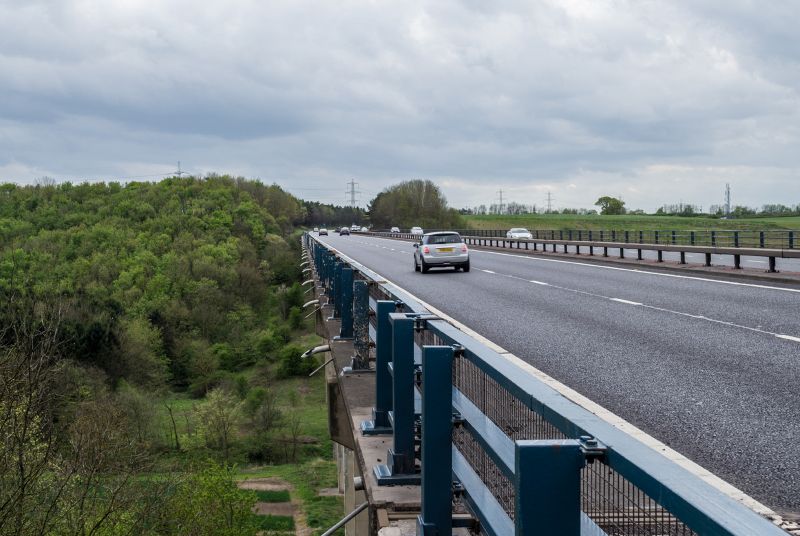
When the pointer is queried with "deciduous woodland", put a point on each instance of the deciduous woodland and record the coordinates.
(150, 336)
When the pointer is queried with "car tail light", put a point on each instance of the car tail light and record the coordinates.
(426, 250)
(463, 248)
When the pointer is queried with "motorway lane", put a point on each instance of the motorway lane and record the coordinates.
(708, 367)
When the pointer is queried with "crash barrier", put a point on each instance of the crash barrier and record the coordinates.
(635, 240)
(775, 239)
(480, 434)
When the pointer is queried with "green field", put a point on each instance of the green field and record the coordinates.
(627, 222)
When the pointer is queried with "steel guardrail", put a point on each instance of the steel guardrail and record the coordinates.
(526, 459)
(590, 242)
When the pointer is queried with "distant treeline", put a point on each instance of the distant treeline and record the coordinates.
(676, 209)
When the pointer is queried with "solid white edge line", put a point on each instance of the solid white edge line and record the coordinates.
(614, 420)
(788, 337)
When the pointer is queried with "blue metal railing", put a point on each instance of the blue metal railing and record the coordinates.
(524, 459)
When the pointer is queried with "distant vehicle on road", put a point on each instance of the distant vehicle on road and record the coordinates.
(316, 229)
(417, 231)
(365, 229)
(519, 232)
(394, 230)
(354, 227)
(344, 231)
(323, 232)
(439, 250)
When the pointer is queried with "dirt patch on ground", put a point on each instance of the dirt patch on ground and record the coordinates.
(293, 508)
(329, 492)
(265, 484)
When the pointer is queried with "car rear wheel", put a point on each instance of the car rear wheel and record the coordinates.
(423, 266)
(465, 266)
(416, 266)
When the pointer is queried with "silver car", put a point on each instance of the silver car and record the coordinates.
(441, 249)
(519, 232)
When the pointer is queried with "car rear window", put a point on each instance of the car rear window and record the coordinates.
(453, 238)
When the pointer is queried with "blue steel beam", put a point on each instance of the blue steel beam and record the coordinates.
(383, 378)
(436, 518)
(346, 302)
(547, 484)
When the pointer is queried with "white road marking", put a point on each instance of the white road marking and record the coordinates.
(539, 283)
(488, 271)
(788, 337)
(646, 272)
(627, 302)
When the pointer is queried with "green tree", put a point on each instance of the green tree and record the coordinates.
(610, 205)
(415, 202)
(220, 417)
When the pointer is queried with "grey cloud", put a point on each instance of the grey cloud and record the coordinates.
(515, 93)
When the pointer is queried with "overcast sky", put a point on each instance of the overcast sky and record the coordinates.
(659, 102)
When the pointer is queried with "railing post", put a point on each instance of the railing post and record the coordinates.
(346, 305)
(691, 237)
(674, 237)
(436, 518)
(761, 239)
(613, 235)
(791, 239)
(548, 487)
(641, 236)
(337, 289)
(627, 236)
(380, 423)
(655, 234)
(399, 466)
(713, 238)
(736, 239)
(360, 360)
(772, 269)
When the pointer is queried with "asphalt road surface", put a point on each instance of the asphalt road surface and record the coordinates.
(711, 368)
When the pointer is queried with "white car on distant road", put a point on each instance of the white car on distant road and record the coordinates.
(519, 232)
(365, 229)
(417, 231)
(394, 230)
